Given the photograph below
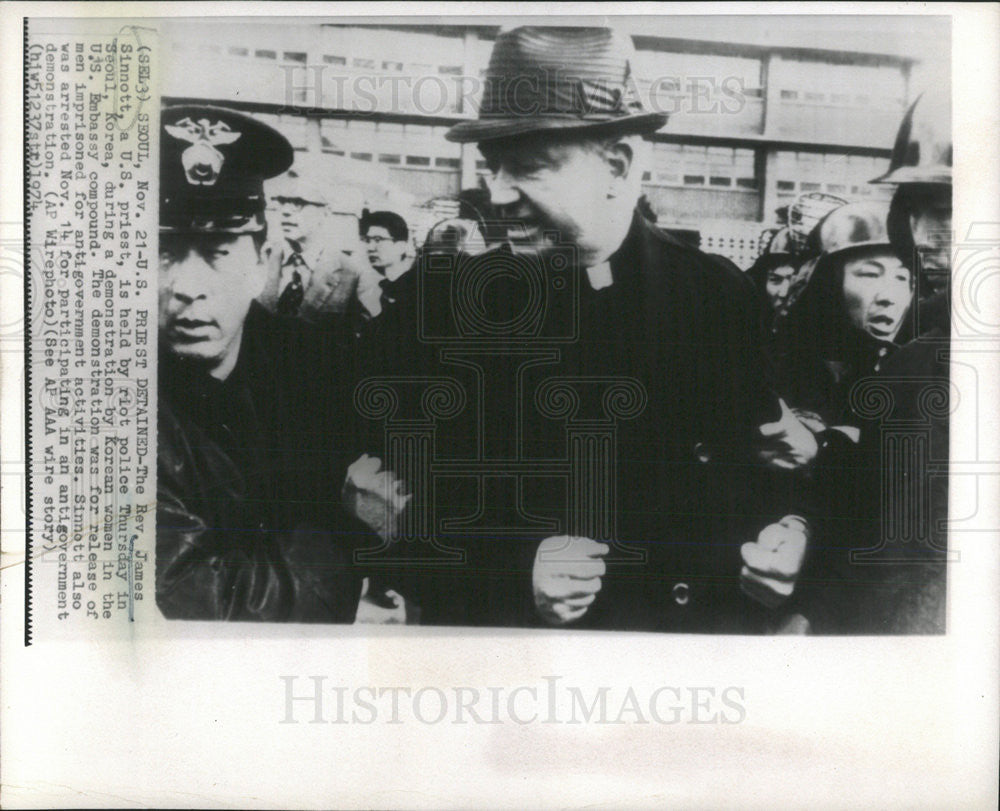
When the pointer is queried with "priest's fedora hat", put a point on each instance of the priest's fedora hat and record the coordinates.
(544, 79)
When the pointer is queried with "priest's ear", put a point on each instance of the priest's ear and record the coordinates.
(625, 156)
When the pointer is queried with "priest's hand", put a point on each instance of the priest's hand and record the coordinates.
(566, 577)
(773, 562)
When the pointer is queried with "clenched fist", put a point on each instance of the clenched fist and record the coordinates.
(374, 496)
(774, 561)
(566, 577)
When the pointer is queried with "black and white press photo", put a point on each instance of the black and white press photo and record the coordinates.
(456, 405)
(640, 327)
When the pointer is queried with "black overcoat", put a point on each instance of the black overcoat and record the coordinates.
(637, 429)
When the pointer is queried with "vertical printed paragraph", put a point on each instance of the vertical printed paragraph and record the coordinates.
(90, 192)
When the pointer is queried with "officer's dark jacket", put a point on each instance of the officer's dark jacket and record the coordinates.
(249, 525)
(682, 334)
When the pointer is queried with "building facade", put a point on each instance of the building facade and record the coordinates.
(752, 124)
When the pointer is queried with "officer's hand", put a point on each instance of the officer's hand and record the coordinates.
(374, 496)
(380, 606)
(787, 443)
(774, 561)
(566, 577)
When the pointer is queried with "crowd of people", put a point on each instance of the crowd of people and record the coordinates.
(751, 482)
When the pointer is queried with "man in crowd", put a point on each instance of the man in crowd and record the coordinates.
(249, 518)
(920, 214)
(566, 154)
(387, 240)
(308, 276)
(909, 596)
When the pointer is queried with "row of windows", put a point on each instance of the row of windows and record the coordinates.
(793, 187)
(669, 73)
(711, 181)
(394, 159)
(301, 58)
(841, 99)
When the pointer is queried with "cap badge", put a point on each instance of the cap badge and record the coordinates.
(202, 161)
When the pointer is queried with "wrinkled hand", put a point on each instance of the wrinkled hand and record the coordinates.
(774, 561)
(787, 443)
(374, 496)
(566, 577)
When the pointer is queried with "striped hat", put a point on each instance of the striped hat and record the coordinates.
(544, 79)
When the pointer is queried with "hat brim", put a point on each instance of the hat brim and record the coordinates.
(915, 174)
(839, 257)
(491, 129)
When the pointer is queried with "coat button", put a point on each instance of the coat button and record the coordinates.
(682, 593)
(702, 453)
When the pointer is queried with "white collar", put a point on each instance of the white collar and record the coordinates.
(600, 276)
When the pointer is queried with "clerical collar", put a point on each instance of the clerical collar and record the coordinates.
(600, 276)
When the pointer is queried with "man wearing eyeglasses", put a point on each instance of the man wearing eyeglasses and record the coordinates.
(308, 277)
(387, 241)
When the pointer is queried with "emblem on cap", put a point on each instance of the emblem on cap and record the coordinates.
(202, 161)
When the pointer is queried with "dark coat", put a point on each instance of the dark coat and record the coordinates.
(249, 522)
(864, 494)
(681, 332)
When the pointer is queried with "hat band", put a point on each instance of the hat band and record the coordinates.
(231, 216)
(557, 94)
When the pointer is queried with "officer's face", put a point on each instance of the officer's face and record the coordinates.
(930, 223)
(300, 220)
(554, 193)
(877, 293)
(207, 282)
(779, 282)
(383, 251)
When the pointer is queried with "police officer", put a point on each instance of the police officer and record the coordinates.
(920, 213)
(250, 524)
